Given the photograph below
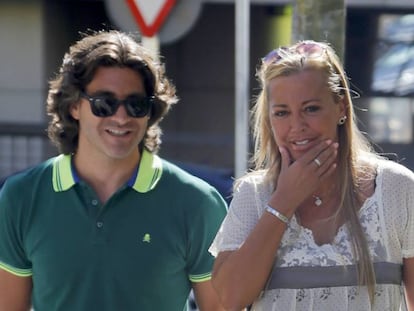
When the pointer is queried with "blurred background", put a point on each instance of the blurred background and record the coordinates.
(203, 43)
(198, 43)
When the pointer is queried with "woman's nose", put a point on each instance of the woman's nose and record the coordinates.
(298, 123)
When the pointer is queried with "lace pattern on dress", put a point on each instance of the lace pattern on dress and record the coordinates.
(298, 247)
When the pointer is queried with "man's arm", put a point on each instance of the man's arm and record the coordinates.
(206, 297)
(409, 282)
(15, 292)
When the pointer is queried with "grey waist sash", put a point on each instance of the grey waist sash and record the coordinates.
(315, 277)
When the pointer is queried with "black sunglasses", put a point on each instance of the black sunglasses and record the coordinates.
(137, 106)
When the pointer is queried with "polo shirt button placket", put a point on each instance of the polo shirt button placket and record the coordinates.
(99, 238)
(99, 223)
(95, 213)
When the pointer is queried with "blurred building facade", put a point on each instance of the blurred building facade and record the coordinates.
(200, 129)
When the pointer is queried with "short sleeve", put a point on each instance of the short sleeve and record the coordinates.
(245, 209)
(12, 255)
(398, 200)
(203, 224)
(408, 204)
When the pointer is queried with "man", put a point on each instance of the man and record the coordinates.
(107, 225)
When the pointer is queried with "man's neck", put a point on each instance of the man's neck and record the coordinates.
(105, 175)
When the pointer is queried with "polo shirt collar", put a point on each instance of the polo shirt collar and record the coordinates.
(149, 173)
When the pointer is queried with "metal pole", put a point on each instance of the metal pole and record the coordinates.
(152, 44)
(242, 52)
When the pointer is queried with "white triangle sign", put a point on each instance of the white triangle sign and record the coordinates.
(150, 14)
(149, 9)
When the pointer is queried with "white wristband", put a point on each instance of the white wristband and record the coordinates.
(277, 214)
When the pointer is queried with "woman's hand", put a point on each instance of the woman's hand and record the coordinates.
(299, 179)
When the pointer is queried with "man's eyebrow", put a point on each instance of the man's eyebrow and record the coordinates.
(101, 92)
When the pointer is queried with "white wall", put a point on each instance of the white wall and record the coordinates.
(21, 67)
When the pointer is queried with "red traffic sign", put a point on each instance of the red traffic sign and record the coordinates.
(150, 14)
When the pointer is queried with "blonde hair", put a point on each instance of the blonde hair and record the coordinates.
(353, 146)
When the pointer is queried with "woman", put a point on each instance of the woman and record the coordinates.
(322, 223)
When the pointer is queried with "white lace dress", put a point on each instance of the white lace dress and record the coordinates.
(387, 218)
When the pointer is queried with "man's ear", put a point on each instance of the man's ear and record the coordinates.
(74, 110)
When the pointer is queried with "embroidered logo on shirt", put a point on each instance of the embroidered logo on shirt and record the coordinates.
(146, 238)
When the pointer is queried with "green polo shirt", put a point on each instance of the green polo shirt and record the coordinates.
(139, 251)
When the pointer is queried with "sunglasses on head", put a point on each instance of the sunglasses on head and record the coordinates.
(305, 48)
(105, 105)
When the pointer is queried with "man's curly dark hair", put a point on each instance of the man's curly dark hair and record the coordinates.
(109, 49)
